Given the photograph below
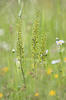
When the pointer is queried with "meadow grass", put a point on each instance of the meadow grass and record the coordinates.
(40, 26)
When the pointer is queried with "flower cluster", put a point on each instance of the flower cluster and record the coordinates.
(59, 42)
(43, 51)
(35, 35)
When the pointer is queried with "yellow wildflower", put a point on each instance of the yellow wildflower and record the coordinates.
(56, 75)
(36, 94)
(1, 95)
(49, 71)
(5, 69)
(52, 93)
(65, 59)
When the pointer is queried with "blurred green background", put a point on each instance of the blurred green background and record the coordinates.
(53, 19)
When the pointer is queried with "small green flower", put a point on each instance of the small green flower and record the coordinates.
(35, 35)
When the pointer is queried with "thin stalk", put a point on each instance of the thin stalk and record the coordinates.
(20, 49)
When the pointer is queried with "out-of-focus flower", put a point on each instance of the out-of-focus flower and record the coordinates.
(5, 69)
(36, 94)
(47, 51)
(13, 50)
(56, 61)
(60, 42)
(4, 45)
(56, 75)
(17, 63)
(49, 71)
(65, 59)
(1, 32)
(57, 39)
(1, 95)
(52, 93)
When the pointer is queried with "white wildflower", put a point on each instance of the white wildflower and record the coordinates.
(57, 39)
(17, 63)
(13, 50)
(60, 42)
(47, 51)
(56, 61)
